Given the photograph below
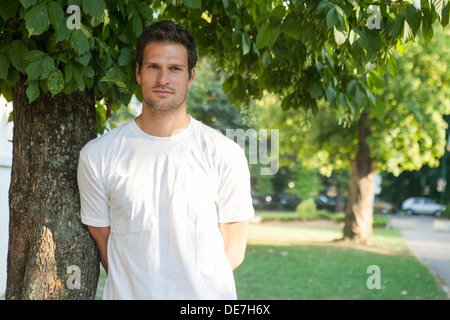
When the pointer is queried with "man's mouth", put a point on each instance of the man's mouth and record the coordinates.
(162, 91)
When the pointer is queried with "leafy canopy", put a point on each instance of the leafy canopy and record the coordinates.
(301, 50)
(411, 134)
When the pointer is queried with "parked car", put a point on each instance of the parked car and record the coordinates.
(383, 207)
(325, 202)
(423, 206)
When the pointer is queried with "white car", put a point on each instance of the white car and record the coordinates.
(423, 206)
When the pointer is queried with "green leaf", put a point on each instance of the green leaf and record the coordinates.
(27, 3)
(353, 37)
(351, 86)
(137, 26)
(445, 15)
(229, 84)
(48, 65)
(277, 16)
(267, 35)
(360, 96)
(56, 14)
(118, 83)
(68, 73)
(4, 66)
(34, 70)
(332, 18)
(397, 29)
(263, 37)
(331, 95)
(324, 6)
(126, 57)
(84, 59)
(439, 7)
(58, 21)
(266, 58)
(339, 36)
(342, 100)
(88, 71)
(113, 75)
(315, 89)
(36, 19)
(145, 10)
(408, 33)
(413, 17)
(8, 9)
(94, 8)
(55, 82)
(291, 26)
(378, 110)
(79, 42)
(79, 77)
(193, 4)
(32, 91)
(245, 44)
(393, 65)
(34, 55)
(427, 25)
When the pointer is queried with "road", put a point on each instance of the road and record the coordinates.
(428, 239)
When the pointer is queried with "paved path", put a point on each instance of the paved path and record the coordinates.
(429, 240)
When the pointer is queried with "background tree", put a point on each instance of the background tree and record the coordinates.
(56, 75)
(410, 133)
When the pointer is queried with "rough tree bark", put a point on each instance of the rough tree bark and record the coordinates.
(51, 254)
(359, 210)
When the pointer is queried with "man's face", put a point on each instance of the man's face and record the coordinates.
(164, 76)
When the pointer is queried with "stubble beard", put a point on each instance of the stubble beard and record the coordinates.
(163, 107)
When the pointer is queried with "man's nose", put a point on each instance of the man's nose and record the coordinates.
(163, 76)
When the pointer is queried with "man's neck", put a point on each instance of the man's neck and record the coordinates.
(161, 124)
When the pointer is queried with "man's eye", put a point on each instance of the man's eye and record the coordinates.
(175, 69)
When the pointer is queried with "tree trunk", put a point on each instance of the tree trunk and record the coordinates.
(359, 210)
(51, 254)
(340, 200)
(342, 184)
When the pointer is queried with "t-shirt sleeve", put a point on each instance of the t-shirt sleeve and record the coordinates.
(234, 198)
(93, 195)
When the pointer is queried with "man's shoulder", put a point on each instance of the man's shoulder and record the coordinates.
(216, 139)
(105, 141)
(218, 145)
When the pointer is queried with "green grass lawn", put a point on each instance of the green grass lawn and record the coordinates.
(286, 260)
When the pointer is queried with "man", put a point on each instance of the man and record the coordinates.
(166, 198)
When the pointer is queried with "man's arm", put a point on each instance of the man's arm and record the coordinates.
(235, 239)
(101, 236)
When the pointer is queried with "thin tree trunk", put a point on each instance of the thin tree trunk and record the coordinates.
(51, 254)
(359, 210)
(342, 184)
(340, 201)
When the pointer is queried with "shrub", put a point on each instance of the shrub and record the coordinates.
(446, 213)
(307, 210)
(380, 221)
(338, 217)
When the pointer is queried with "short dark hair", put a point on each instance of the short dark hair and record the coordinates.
(167, 31)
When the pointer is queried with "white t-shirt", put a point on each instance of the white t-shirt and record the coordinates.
(163, 198)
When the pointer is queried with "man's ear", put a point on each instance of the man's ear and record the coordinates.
(138, 75)
(191, 80)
